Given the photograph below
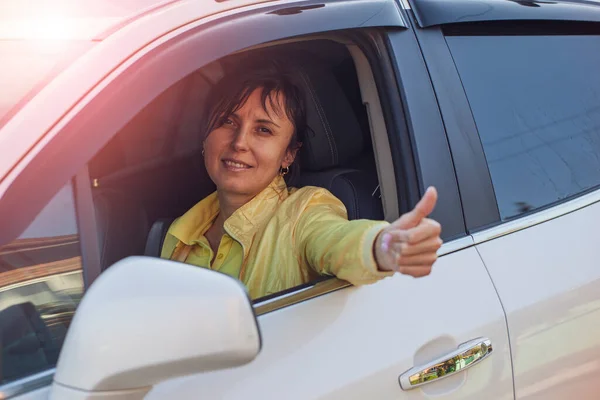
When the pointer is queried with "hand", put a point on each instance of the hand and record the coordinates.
(409, 245)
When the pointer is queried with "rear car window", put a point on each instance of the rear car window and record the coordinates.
(536, 102)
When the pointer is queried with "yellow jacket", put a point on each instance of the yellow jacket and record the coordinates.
(288, 237)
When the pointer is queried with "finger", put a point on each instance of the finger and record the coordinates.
(422, 260)
(428, 245)
(415, 271)
(427, 229)
(423, 208)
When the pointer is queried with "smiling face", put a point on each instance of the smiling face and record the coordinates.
(245, 151)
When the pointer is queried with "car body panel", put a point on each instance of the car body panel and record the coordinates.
(355, 343)
(548, 278)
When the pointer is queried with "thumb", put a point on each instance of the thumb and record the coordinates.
(423, 208)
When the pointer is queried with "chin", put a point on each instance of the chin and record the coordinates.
(239, 187)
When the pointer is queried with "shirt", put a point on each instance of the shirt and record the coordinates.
(282, 238)
(230, 254)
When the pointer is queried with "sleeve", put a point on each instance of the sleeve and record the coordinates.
(332, 245)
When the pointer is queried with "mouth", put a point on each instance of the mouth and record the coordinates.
(235, 165)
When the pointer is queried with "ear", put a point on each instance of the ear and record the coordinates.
(290, 156)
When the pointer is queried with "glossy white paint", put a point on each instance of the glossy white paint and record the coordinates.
(136, 327)
(355, 343)
(548, 277)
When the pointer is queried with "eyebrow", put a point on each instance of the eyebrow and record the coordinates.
(267, 121)
(260, 120)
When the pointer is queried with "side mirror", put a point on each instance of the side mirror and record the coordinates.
(145, 320)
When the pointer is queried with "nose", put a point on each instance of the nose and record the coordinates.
(240, 140)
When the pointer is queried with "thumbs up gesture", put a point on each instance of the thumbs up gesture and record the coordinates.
(409, 245)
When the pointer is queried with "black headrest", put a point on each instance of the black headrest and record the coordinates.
(337, 136)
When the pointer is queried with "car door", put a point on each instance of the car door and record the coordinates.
(328, 340)
(354, 343)
(534, 129)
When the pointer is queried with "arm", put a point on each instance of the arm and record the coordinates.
(365, 251)
(332, 245)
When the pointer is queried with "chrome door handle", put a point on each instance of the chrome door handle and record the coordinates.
(467, 355)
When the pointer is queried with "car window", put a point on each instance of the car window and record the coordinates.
(40, 286)
(536, 103)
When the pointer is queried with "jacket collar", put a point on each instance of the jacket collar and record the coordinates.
(241, 225)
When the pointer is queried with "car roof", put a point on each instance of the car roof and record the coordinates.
(68, 19)
(440, 12)
(82, 20)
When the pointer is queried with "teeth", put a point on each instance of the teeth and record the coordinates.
(235, 164)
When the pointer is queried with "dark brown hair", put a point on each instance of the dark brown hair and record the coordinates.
(273, 77)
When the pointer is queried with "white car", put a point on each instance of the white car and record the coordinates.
(494, 102)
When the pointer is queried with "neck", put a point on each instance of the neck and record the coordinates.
(229, 203)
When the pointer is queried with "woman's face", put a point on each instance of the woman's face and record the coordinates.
(243, 155)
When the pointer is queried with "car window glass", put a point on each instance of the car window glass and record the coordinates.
(40, 286)
(536, 103)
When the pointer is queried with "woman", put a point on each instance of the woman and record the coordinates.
(272, 237)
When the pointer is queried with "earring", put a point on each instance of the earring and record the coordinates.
(284, 170)
(203, 152)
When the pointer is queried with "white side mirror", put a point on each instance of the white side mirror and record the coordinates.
(145, 320)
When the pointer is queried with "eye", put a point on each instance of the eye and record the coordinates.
(264, 129)
(227, 121)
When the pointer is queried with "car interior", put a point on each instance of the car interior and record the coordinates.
(152, 171)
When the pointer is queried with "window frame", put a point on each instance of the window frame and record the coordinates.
(478, 198)
(86, 223)
(27, 384)
(427, 134)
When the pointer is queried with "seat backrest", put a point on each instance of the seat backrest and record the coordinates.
(156, 236)
(122, 225)
(333, 157)
(357, 189)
